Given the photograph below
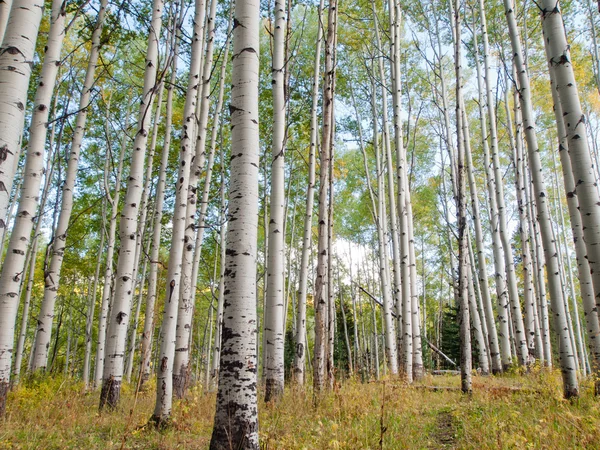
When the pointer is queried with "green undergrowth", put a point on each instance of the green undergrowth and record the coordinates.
(511, 411)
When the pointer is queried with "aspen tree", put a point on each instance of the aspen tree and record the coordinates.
(236, 417)
(571, 387)
(52, 275)
(275, 277)
(299, 340)
(20, 239)
(16, 61)
(121, 307)
(164, 370)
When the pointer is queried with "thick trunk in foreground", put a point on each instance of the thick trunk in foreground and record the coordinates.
(236, 417)
(20, 239)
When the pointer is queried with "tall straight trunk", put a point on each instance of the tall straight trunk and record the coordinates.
(380, 216)
(300, 343)
(164, 374)
(187, 293)
(216, 129)
(110, 251)
(89, 323)
(236, 417)
(396, 256)
(501, 289)
(275, 281)
(534, 339)
(146, 345)
(214, 368)
(134, 324)
(121, 307)
(586, 288)
(475, 324)
(323, 257)
(492, 334)
(461, 209)
(561, 68)
(52, 276)
(403, 196)
(571, 388)
(4, 14)
(538, 271)
(20, 240)
(16, 56)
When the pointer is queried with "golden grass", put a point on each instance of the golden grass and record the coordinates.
(57, 414)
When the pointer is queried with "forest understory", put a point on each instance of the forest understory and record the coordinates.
(509, 411)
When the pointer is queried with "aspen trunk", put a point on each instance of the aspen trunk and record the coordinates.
(146, 349)
(571, 388)
(16, 56)
(236, 418)
(20, 240)
(52, 276)
(300, 342)
(275, 281)
(164, 374)
(121, 308)
(110, 251)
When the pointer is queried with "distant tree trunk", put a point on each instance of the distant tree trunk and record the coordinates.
(323, 258)
(14, 264)
(299, 366)
(501, 289)
(275, 281)
(403, 195)
(461, 208)
(236, 418)
(110, 251)
(571, 387)
(52, 275)
(146, 350)
(164, 374)
(121, 307)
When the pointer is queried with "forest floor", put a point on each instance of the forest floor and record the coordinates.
(511, 411)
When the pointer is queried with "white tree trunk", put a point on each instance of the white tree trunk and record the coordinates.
(20, 239)
(16, 60)
(236, 418)
(52, 276)
(121, 307)
(568, 368)
(164, 374)
(275, 281)
(299, 368)
(110, 251)
(146, 349)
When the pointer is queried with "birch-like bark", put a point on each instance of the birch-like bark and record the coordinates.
(110, 251)
(461, 209)
(121, 306)
(146, 349)
(492, 334)
(4, 14)
(586, 288)
(164, 370)
(403, 196)
(323, 257)
(187, 293)
(20, 239)
(300, 342)
(568, 369)
(236, 418)
(275, 281)
(52, 275)
(16, 61)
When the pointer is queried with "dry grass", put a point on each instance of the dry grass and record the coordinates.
(56, 414)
